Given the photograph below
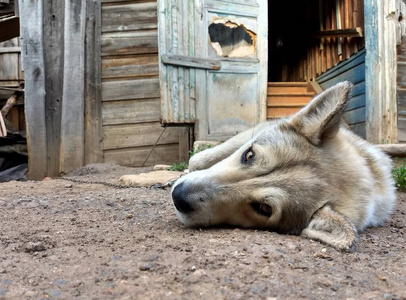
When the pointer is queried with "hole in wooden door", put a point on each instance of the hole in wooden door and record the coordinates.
(232, 40)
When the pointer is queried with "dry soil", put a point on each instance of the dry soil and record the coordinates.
(67, 240)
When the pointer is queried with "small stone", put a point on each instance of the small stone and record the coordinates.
(324, 250)
(129, 216)
(149, 258)
(69, 185)
(47, 179)
(146, 267)
(193, 268)
(34, 247)
(30, 294)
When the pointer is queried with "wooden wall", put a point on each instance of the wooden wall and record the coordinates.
(327, 51)
(130, 86)
(352, 69)
(62, 84)
(308, 43)
(11, 76)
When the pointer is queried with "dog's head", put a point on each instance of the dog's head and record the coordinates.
(276, 180)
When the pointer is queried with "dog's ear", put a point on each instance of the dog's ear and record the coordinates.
(321, 118)
(332, 228)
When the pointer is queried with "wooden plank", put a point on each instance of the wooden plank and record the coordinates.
(137, 135)
(350, 63)
(289, 100)
(356, 102)
(131, 111)
(354, 75)
(359, 129)
(130, 89)
(35, 111)
(72, 118)
(278, 112)
(140, 42)
(93, 133)
(9, 67)
(54, 65)
(127, 67)
(10, 50)
(191, 62)
(120, 17)
(355, 116)
(162, 154)
(10, 28)
(349, 32)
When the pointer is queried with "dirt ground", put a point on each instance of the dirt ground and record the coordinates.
(66, 240)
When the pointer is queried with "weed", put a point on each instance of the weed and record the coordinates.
(399, 175)
(184, 165)
(199, 149)
(179, 167)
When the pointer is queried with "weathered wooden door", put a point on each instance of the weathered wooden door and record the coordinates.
(213, 64)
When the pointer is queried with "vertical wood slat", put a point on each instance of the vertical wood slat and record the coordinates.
(53, 25)
(93, 99)
(33, 63)
(72, 128)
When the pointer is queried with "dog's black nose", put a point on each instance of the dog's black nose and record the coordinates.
(179, 199)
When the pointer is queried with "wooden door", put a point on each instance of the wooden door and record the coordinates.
(213, 64)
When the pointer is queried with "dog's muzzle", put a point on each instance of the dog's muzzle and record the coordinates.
(179, 199)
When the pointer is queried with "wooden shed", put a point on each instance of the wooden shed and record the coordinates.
(101, 77)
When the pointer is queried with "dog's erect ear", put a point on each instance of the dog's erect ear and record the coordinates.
(321, 118)
(332, 228)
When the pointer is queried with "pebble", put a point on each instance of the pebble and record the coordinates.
(69, 185)
(34, 247)
(30, 294)
(146, 267)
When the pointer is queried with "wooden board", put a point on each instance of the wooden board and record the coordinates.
(130, 67)
(140, 42)
(130, 89)
(162, 154)
(138, 135)
(35, 110)
(54, 12)
(72, 119)
(131, 111)
(121, 17)
(93, 99)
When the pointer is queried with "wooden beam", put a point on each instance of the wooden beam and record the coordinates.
(93, 98)
(191, 62)
(350, 32)
(395, 150)
(33, 62)
(9, 28)
(380, 72)
(72, 123)
(54, 66)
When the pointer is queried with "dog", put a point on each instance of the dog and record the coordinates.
(304, 175)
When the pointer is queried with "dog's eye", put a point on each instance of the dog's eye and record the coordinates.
(262, 208)
(247, 156)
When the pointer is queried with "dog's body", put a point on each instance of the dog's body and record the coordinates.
(304, 175)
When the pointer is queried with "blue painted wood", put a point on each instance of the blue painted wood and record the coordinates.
(356, 102)
(355, 75)
(358, 89)
(353, 61)
(372, 66)
(355, 116)
(359, 129)
(352, 69)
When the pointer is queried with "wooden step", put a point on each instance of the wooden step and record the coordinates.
(286, 98)
(279, 112)
(288, 87)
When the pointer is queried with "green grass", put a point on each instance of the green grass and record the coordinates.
(399, 175)
(184, 165)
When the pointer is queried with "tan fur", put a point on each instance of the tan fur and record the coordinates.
(319, 179)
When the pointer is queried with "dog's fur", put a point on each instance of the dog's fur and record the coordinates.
(306, 175)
